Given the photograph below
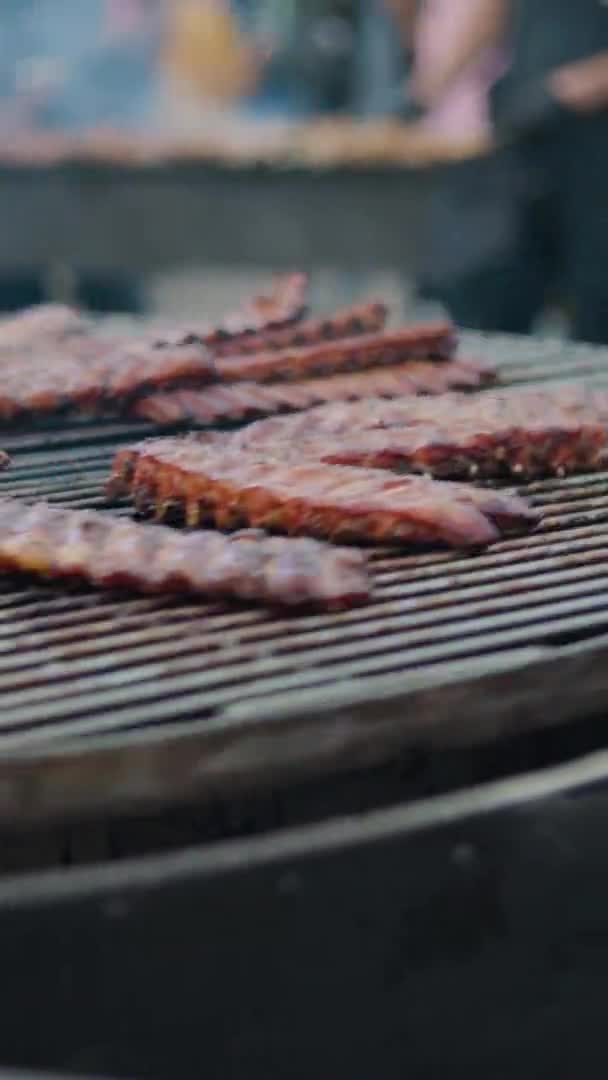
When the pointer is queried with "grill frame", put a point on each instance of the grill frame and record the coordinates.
(512, 682)
(346, 939)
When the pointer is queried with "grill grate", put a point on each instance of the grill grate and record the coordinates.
(110, 701)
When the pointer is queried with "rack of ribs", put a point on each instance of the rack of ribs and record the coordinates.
(286, 304)
(43, 324)
(94, 380)
(276, 313)
(208, 478)
(525, 433)
(240, 400)
(264, 314)
(427, 341)
(113, 553)
(53, 359)
(365, 318)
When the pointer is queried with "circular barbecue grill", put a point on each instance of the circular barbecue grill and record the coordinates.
(113, 704)
(138, 725)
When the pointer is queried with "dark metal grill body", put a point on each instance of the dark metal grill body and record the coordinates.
(466, 928)
(112, 703)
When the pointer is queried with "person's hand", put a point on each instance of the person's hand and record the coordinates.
(582, 87)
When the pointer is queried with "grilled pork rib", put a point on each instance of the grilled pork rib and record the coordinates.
(366, 318)
(94, 381)
(284, 307)
(256, 320)
(210, 479)
(112, 553)
(240, 400)
(525, 433)
(432, 341)
(45, 323)
(51, 359)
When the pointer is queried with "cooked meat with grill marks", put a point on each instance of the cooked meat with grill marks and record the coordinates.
(427, 341)
(366, 318)
(51, 358)
(209, 478)
(96, 381)
(261, 315)
(525, 433)
(113, 553)
(245, 399)
(43, 324)
(285, 304)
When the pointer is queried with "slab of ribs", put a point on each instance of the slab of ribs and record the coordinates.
(365, 318)
(382, 461)
(262, 359)
(332, 471)
(246, 400)
(114, 553)
(523, 433)
(206, 478)
(51, 360)
(321, 364)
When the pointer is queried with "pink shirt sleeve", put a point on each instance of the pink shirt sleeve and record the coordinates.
(464, 111)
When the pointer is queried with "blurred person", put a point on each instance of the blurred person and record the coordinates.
(229, 59)
(553, 104)
(453, 63)
(310, 54)
(379, 59)
(534, 214)
(73, 65)
(211, 65)
(438, 32)
(209, 54)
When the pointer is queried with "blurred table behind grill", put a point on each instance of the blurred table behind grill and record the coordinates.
(353, 214)
(150, 218)
(215, 227)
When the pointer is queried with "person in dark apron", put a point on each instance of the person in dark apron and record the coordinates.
(531, 219)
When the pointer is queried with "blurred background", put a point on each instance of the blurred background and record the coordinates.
(494, 112)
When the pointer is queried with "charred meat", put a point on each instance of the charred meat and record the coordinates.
(521, 433)
(366, 318)
(432, 341)
(41, 325)
(98, 381)
(112, 553)
(240, 400)
(264, 314)
(208, 478)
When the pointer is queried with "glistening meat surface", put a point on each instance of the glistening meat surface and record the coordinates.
(249, 399)
(427, 341)
(210, 479)
(98, 381)
(53, 359)
(112, 553)
(283, 307)
(366, 318)
(525, 433)
(44, 323)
